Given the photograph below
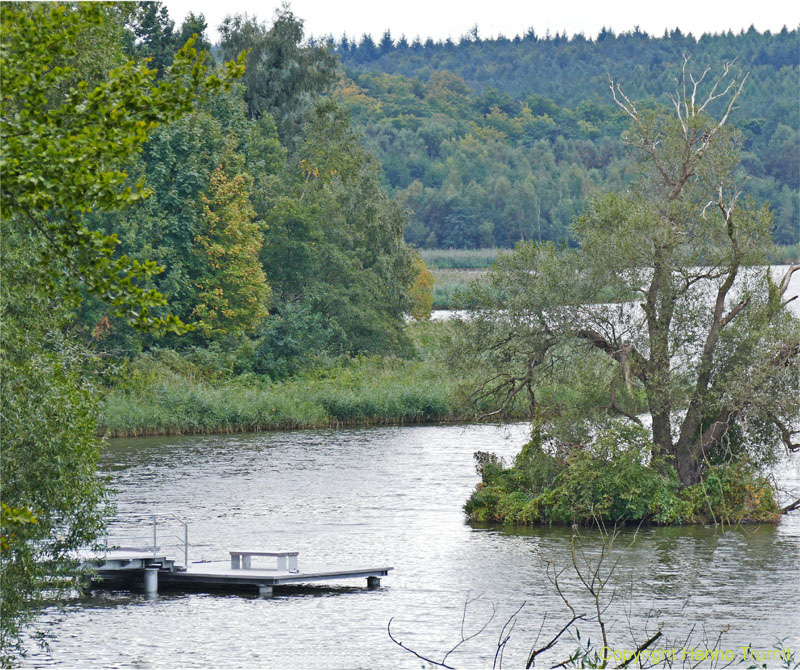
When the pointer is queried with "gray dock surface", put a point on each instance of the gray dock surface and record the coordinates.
(153, 569)
(222, 573)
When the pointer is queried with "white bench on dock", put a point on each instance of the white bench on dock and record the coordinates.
(287, 560)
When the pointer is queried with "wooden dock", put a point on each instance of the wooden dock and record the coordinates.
(150, 570)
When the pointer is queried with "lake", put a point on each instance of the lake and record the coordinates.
(393, 495)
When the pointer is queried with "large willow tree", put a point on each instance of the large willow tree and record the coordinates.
(666, 299)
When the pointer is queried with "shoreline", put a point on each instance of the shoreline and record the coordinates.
(295, 425)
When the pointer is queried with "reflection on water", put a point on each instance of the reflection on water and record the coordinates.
(393, 496)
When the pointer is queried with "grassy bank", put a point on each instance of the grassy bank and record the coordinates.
(369, 391)
(197, 391)
(460, 259)
(165, 392)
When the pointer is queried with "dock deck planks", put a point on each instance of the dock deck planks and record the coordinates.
(129, 567)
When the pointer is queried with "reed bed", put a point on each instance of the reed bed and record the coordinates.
(452, 259)
(369, 391)
(447, 283)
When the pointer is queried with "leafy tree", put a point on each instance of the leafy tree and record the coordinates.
(154, 34)
(178, 162)
(281, 77)
(421, 290)
(660, 289)
(334, 252)
(66, 145)
(233, 288)
(50, 405)
(51, 180)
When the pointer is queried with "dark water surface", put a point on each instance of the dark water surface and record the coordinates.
(393, 496)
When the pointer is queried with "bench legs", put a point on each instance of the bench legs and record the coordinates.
(287, 566)
(239, 562)
(242, 562)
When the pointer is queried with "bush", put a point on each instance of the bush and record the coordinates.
(732, 494)
(613, 479)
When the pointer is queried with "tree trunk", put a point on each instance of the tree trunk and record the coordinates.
(658, 308)
(687, 466)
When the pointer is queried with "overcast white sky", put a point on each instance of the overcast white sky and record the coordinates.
(442, 18)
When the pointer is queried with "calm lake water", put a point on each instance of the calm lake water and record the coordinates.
(393, 496)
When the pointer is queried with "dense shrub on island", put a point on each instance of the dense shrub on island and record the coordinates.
(614, 478)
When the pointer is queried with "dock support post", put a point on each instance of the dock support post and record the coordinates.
(151, 581)
(265, 590)
(373, 582)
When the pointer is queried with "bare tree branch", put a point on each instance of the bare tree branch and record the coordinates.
(640, 649)
(409, 649)
(467, 638)
(551, 643)
(503, 638)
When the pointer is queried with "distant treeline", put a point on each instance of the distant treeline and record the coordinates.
(487, 142)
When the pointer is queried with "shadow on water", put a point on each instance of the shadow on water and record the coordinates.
(100, 596)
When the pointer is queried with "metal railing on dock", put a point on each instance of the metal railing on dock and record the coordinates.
(165, 531)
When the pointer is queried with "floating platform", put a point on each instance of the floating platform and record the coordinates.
(152, 569)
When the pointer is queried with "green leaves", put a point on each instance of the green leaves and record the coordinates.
(65, 153)
(65, 150)
(334, 251)
(233, 288)
(282, 77)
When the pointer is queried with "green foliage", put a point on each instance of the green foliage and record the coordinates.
(169, 393)
(334, 252)
(449, 284)
(48, 461)
(65, 155)
(14, 521)
(329, 241)
(421, 291)
(462, 259)
(234, 290)
(171, 225)
(732, 493)
(613, 479)
(495, 141)
(70, 130)
(282, 77)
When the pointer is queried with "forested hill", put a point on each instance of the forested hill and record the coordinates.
(491, 141)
